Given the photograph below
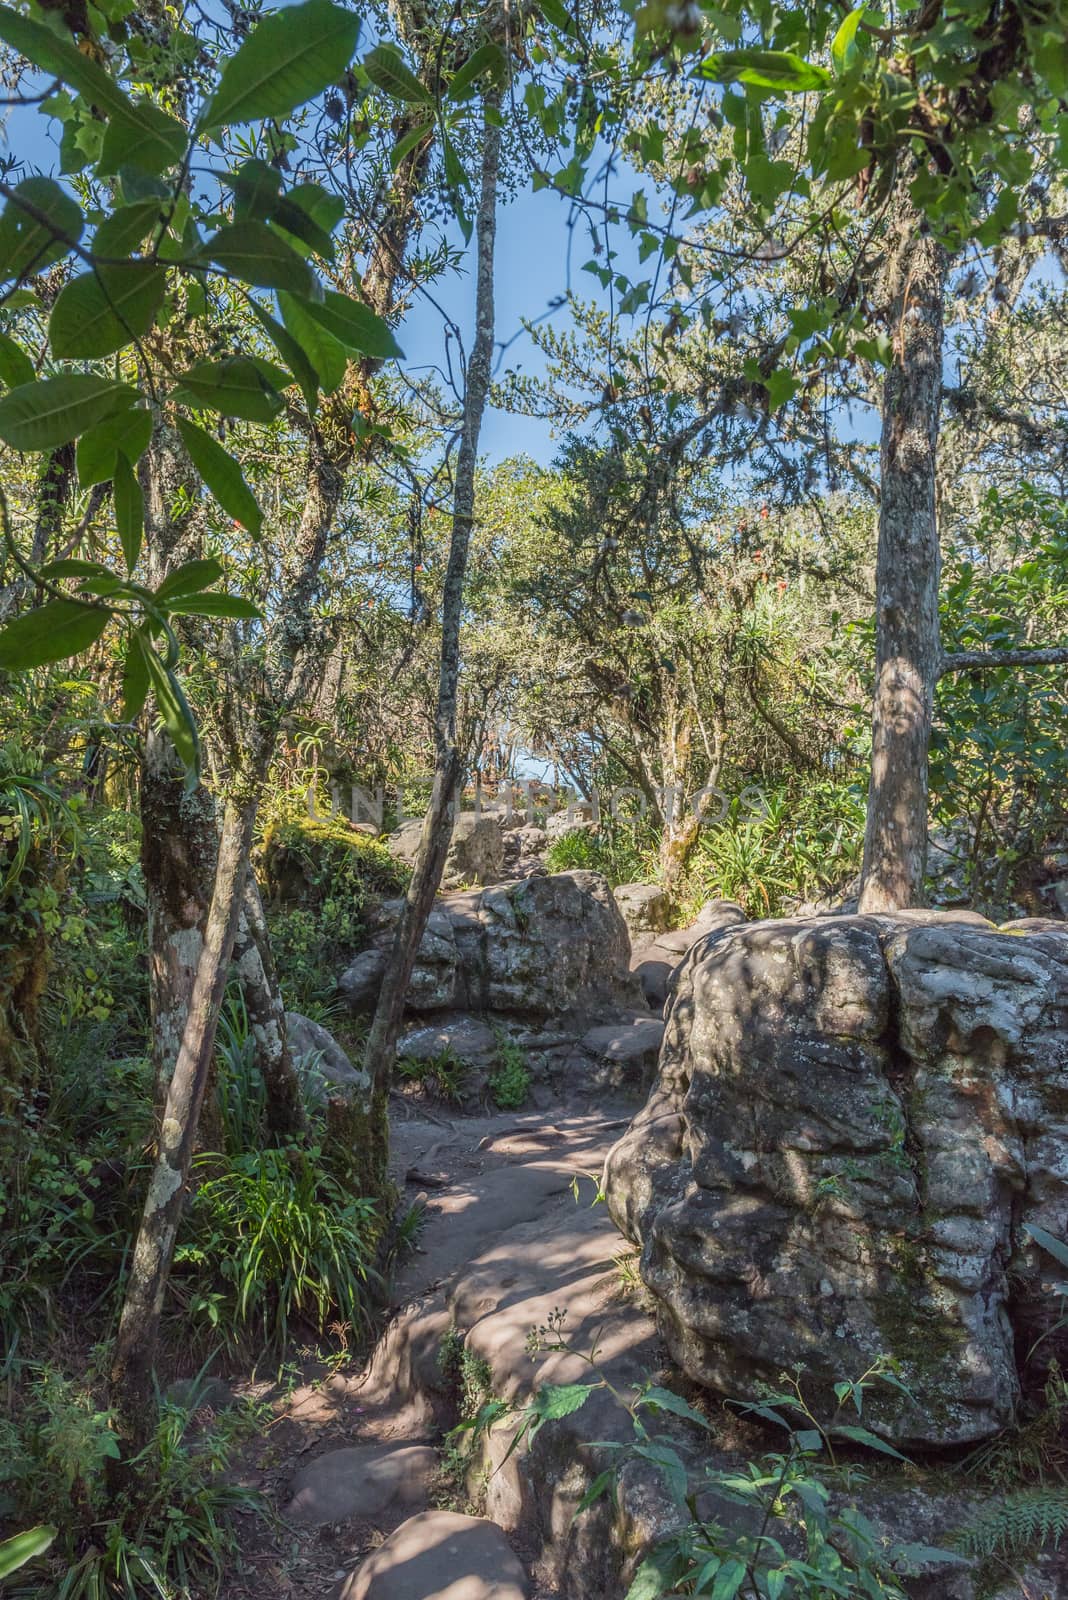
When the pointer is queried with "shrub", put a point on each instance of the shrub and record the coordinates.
(510, 1084)
(168, 1538)
(443, 1075)
(624, 849)
(271, 1239)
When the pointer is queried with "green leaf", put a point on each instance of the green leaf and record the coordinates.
(135, 678)
(843, 45)
(61, 57)
(557, 13)
(101, 311)
(52, 632)
(190, 578)
(768, 69)
(129, 511)
(235, 386)
(125, 229)
(29, 243)
(222, 475)
(310, 215)
(214, 605)
(488, 58)
(287, 59)
(72, 567)
(51, 411)
(354, 325)
(666, 1400)
(255, 186)
(728, 1580)
(388, 71)
(177, 717)
(15, 1553)
(253, 252)
(292, 354)
(411, 139)
(604, 1483)
(846, 1430)
(127, 432)
(15, 365)
(326, 354)
(555, 1400)
(141, 135)
(1056, 1248)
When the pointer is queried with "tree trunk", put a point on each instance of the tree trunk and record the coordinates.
(265, 1008)
(907, 651)
(154, 1249)
(448, 763)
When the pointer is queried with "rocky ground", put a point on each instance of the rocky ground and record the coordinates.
(844, 1110)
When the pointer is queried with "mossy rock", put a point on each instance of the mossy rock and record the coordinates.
(305, 860)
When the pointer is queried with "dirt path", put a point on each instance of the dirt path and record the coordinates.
(360, 1443)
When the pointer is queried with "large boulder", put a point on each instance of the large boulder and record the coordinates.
(476, 850)
(645, 906)
(440, 1555)
(540, 947)
(855, 1120)
(320, 1062)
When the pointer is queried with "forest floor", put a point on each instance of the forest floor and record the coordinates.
(482, 1179)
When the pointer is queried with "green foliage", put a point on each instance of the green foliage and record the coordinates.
(321, 877)
(1017, 1524)
(442, 1075)
(790, 1538)
(780, 845)
(509, 1085)
(623, 849)
(168, 1537)
(24, 1547)
(271, 1241)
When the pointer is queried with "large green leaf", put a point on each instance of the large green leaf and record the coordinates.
(38, 416)
(293, 354)
(125, 229)
(190, 578)
(135, 678)
(129, 511)
(15, 365)
(387, 70)
(62, 58)
(52, 632)
(101, 311)
(325, 353)
(141, 135)
(38, 225)
(355, 326)
(177, 717)
(253, 252)
(222, 475)
(235, 386)
(214, 605)
(310, 214)
(488, 58)
(15, 1553)
(255, 187)
(125, 432)
(288, 58)
(766, 69)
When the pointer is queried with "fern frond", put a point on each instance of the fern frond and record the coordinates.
(1022, 1522)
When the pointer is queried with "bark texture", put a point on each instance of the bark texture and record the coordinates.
(154, 1250)
(907, 652)
(448, 763)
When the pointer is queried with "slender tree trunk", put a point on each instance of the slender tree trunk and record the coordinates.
(907, 651)
(154, 1249)
(448, 764)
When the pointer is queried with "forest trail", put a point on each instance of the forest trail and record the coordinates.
(353, 1452)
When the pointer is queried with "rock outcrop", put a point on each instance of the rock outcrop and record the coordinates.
(476, 850)
(855, 1120)
(545, 946)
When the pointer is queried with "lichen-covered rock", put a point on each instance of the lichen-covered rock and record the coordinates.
(476, 853)
(320, 1061)
(539, 947)
(644, 906)
(855, 1119)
